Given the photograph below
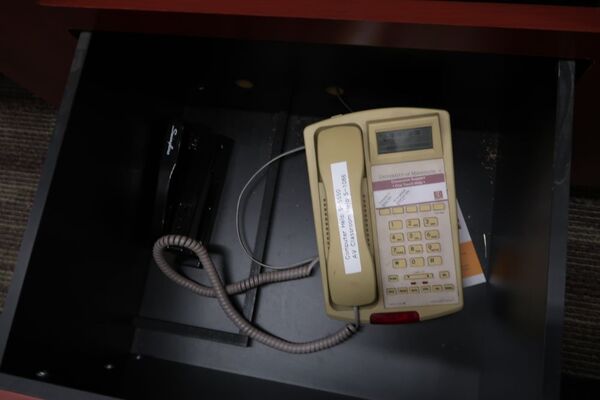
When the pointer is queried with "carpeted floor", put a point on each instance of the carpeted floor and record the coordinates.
(581, 337)
(26, 124)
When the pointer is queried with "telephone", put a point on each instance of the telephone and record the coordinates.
(384, 205)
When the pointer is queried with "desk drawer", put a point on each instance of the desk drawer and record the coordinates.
(90, 310)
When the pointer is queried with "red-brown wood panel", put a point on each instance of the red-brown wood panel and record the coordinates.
(496, 15)
(6, 395)
(585, 163)
(36, 46)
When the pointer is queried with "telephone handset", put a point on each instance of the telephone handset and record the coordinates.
(384, 204)
(350, 266)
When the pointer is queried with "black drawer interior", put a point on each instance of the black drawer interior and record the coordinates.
(90, 286)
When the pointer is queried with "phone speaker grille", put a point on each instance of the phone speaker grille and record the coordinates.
(365, 214)
(325, 221)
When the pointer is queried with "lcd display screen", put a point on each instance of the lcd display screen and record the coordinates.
(409, 139)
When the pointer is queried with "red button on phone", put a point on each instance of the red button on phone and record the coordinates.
(403, 317)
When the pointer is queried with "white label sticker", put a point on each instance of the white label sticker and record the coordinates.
(345, 217)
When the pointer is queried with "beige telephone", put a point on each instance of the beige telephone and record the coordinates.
(384, 204)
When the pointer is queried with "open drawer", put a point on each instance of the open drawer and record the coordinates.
(89, 311)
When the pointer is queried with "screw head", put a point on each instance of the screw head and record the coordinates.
(244, 84)
(334, 90)
(42, 373)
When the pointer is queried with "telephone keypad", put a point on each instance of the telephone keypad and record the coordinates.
(434, 260)
(415, 249)
(433, 247)
(417, 262)
(414, 235)
(395, 224)
(397, 237)
(430, 221)
(413, 223)
(398, 251)
(432, 235)
(430, 264)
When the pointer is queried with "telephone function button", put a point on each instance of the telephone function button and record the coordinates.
(434, 260)
(413, 223)
(432, 235)
(398, 250)
(399, 263)
(397, 210)
(384, 211)
(439, 206)
(415, 249)
(417, 262)
(425, 207)
(433, 247)
(414, 235)
(395, 224)
(444, 274)
(448, 287)
(402, 290)
(392, 278)
(425, 289)
(413, 277)
(411, 209)
(430, 221)
(436, 288)
(391, 291)
(413, 289)
(397, 237)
